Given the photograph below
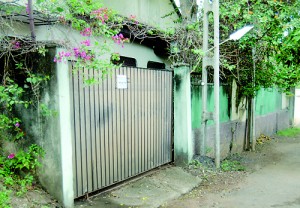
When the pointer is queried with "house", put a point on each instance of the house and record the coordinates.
(111, 131)
(141, 116)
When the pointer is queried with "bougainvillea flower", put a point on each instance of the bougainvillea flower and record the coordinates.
(86, 42)
(86, 32)
(11, 156)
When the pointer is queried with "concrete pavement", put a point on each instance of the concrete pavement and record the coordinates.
(149, 191)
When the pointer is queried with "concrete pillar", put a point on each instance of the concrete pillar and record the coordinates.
(63, 76)
(297, 108)
(183, 144)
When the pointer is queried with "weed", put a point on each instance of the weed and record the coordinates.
(208, 150)
(232, 165)
(5, 197)
(22, 161)
(195, 164)
(9, 181)
(291, 132)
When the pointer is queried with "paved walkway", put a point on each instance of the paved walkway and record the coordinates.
(276, 185)
(150, 191)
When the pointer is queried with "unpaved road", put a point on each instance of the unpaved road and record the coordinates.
(275, 183)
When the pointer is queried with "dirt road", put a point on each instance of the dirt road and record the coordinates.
(275, 183)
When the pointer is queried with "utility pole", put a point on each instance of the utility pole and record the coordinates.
(211, 6)
(253, 129)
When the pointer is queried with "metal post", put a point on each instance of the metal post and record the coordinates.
(31, 20)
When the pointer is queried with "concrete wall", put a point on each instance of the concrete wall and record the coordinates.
(53, 133)
(45, 130)
(146, 11)
(272, 114)
(268, 101)
(150, 10)
(197, 104)
(183, 143)
(58, 33)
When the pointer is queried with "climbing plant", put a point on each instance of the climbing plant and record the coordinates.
(274, 36)
(25, 71)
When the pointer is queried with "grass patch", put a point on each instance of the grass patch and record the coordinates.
(232, 165)
(291, 132)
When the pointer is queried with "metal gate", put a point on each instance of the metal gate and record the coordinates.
(122, 125)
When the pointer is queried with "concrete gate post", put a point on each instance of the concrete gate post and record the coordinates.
(63, 76)
(183, 144)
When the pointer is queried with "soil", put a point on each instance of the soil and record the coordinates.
(35, 197)
(271, 179)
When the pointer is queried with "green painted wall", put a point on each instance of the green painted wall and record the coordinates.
(196, 93)
(267, 101)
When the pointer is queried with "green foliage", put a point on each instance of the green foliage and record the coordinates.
(10, 94)
(47, 112)
(23, 184)
(17, 172)
(4, 197)
(35, 79)
(231, 165)
(24, 161)
(274, 39)
(195, 164)
(291, 132)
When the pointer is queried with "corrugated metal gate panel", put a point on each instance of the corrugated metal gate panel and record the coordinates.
(120, 133)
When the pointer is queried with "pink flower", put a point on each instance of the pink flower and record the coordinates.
(83, 54)
(101, 14)
(86, 32)
(132, 16)
(16, 45)
(76, 52)
(17, 125)
(67, 54)
(86, 42)
(27, 8)
(11, 156)
(119, 39)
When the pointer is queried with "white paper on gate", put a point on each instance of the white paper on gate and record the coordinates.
(121, 81)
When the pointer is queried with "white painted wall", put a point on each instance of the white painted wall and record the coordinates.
(60, 33)
(285, 101)
(16, 29)
(146, 11)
